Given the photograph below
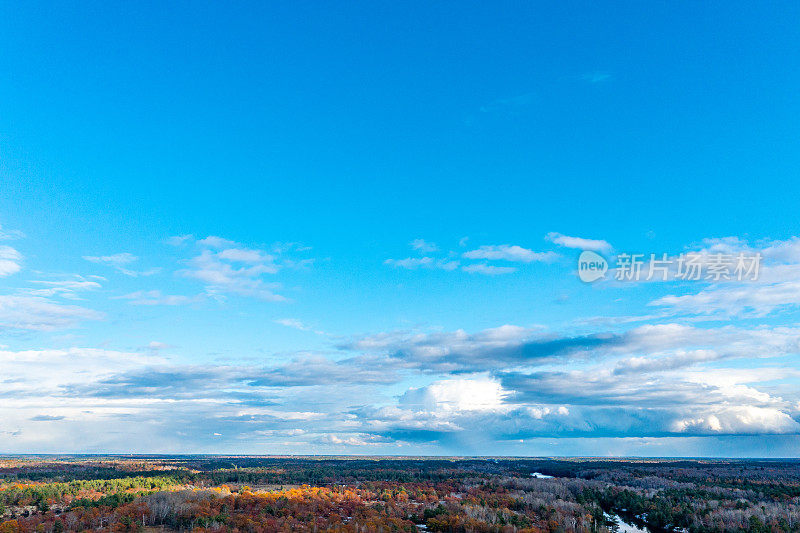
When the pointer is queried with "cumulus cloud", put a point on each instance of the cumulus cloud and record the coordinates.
(738, 420)
(450, 387)
(654, 379)
(459, 351)
(456, 395)
(89, 389)
(481, 388)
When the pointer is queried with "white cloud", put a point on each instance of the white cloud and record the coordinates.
(221, 276)
(504, 252)
(578, 242)
(413, 263)
(351, 440)
(65, 288)
(10, 234)
(9, 261)
(509, 252)
(247, 402)
(424, 246)
(645, 364)
(155, 346)
(294, 432)
(155, 297)
(292, 323)
(36, 387)
(749, 297)
(39, 313)
(244, 255)
(213, 241)
(451, 351)
(226, 267)
(298, 325)
(489, 270)
(179, 240)
(118, 262)
(642, 350)
(743, 419)
(456, 395)
(774, 288)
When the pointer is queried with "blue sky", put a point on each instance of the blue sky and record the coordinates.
(308, 228)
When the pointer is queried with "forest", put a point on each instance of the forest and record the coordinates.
(47, 494)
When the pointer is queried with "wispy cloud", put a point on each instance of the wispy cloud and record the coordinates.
(119, 262)
(508, 252)
(155, 297)
(10, 261)
(179, 240)
(115, 260)
(227, 267)
(223, 276)
(774, 288)
(39, 313)
(10, 234)
(492, 385)
(292, 323)
(488, 270)
(212, 241)
(424, 246)
(502, 252)
(67, 288)
(580, 243)
(298, 325)
(414, 263)
(596, 77)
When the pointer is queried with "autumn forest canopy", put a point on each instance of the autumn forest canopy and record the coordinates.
(266, 494)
